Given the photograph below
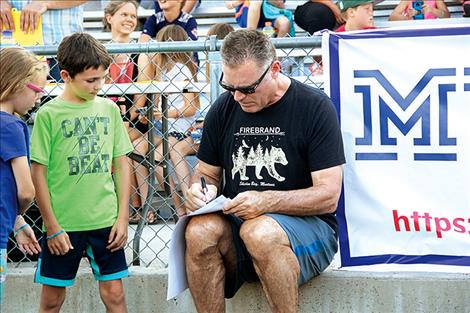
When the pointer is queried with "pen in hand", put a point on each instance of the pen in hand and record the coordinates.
(204, 186)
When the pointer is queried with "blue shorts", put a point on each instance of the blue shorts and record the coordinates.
(3, 273)
(313, 241)
(61, 270)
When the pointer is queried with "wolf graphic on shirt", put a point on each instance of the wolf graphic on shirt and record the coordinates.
(259, 159)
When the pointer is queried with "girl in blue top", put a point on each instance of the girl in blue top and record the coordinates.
(23, 77)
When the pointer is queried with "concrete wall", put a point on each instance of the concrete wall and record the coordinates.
(333, 291)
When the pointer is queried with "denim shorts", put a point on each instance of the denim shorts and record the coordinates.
(312, 240)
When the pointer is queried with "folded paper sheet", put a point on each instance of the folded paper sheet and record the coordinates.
(177, 281)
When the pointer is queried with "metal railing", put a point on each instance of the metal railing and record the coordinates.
(148, 242)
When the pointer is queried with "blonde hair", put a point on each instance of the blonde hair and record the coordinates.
(111, 9)
(18, 67)
(166, 60)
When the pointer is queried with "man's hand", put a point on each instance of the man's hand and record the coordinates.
(27, 241)
(30, 15)
(118, 236)
(6, 20)
(196, 197)
(248, 204)
(60, 244)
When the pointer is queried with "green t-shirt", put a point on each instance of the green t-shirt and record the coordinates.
(77, 143)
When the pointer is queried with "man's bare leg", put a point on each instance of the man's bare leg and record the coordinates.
(210, 256)
(274, 262)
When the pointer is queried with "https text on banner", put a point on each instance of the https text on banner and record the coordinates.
(403, 98)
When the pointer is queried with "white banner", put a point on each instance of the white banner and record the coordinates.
(403, 98)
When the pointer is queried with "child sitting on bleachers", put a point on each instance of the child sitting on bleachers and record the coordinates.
(171, 67)
(419, 9)
(255, 14)
(171, 13)
(359, 15)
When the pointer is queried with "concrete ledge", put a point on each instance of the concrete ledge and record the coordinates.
(333, 291)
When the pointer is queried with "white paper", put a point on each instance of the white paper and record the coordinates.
(177, 281)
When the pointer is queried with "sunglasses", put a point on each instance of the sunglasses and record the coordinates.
(41, 92)
(247, 89)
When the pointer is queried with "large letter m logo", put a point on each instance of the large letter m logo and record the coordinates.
(388, 116)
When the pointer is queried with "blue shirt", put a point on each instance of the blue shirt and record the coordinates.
(14, 143)
(156, 22)
(58, 23)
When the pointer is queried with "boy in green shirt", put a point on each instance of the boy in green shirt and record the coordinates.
(77, 139)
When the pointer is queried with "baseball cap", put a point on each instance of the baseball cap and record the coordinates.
(346, 4)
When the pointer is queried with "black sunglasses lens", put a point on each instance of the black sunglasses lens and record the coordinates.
(247, 91)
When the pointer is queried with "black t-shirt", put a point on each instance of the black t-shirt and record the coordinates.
(276, 148)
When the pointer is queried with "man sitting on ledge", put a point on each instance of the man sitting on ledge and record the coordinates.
(279, 144)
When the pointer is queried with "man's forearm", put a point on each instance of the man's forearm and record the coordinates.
(302, 202)
(211, 179)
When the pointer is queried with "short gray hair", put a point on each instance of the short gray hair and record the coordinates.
(244, 45)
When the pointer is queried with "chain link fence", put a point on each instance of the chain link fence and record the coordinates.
(163, 101)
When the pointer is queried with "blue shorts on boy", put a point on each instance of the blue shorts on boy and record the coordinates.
(60, 270)
(77, 144)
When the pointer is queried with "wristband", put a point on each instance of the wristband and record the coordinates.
(55, 235)
(20, 229)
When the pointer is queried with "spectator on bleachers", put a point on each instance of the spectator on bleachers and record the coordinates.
(120, 17)
(359, 15)
(190, 145)
(59, 19)
(315, 15)
(220, 30)
(419, 9)
(174, 67)
(171, 13)
(255, 14)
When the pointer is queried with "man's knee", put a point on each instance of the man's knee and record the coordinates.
(205, 230)
(261, 234)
